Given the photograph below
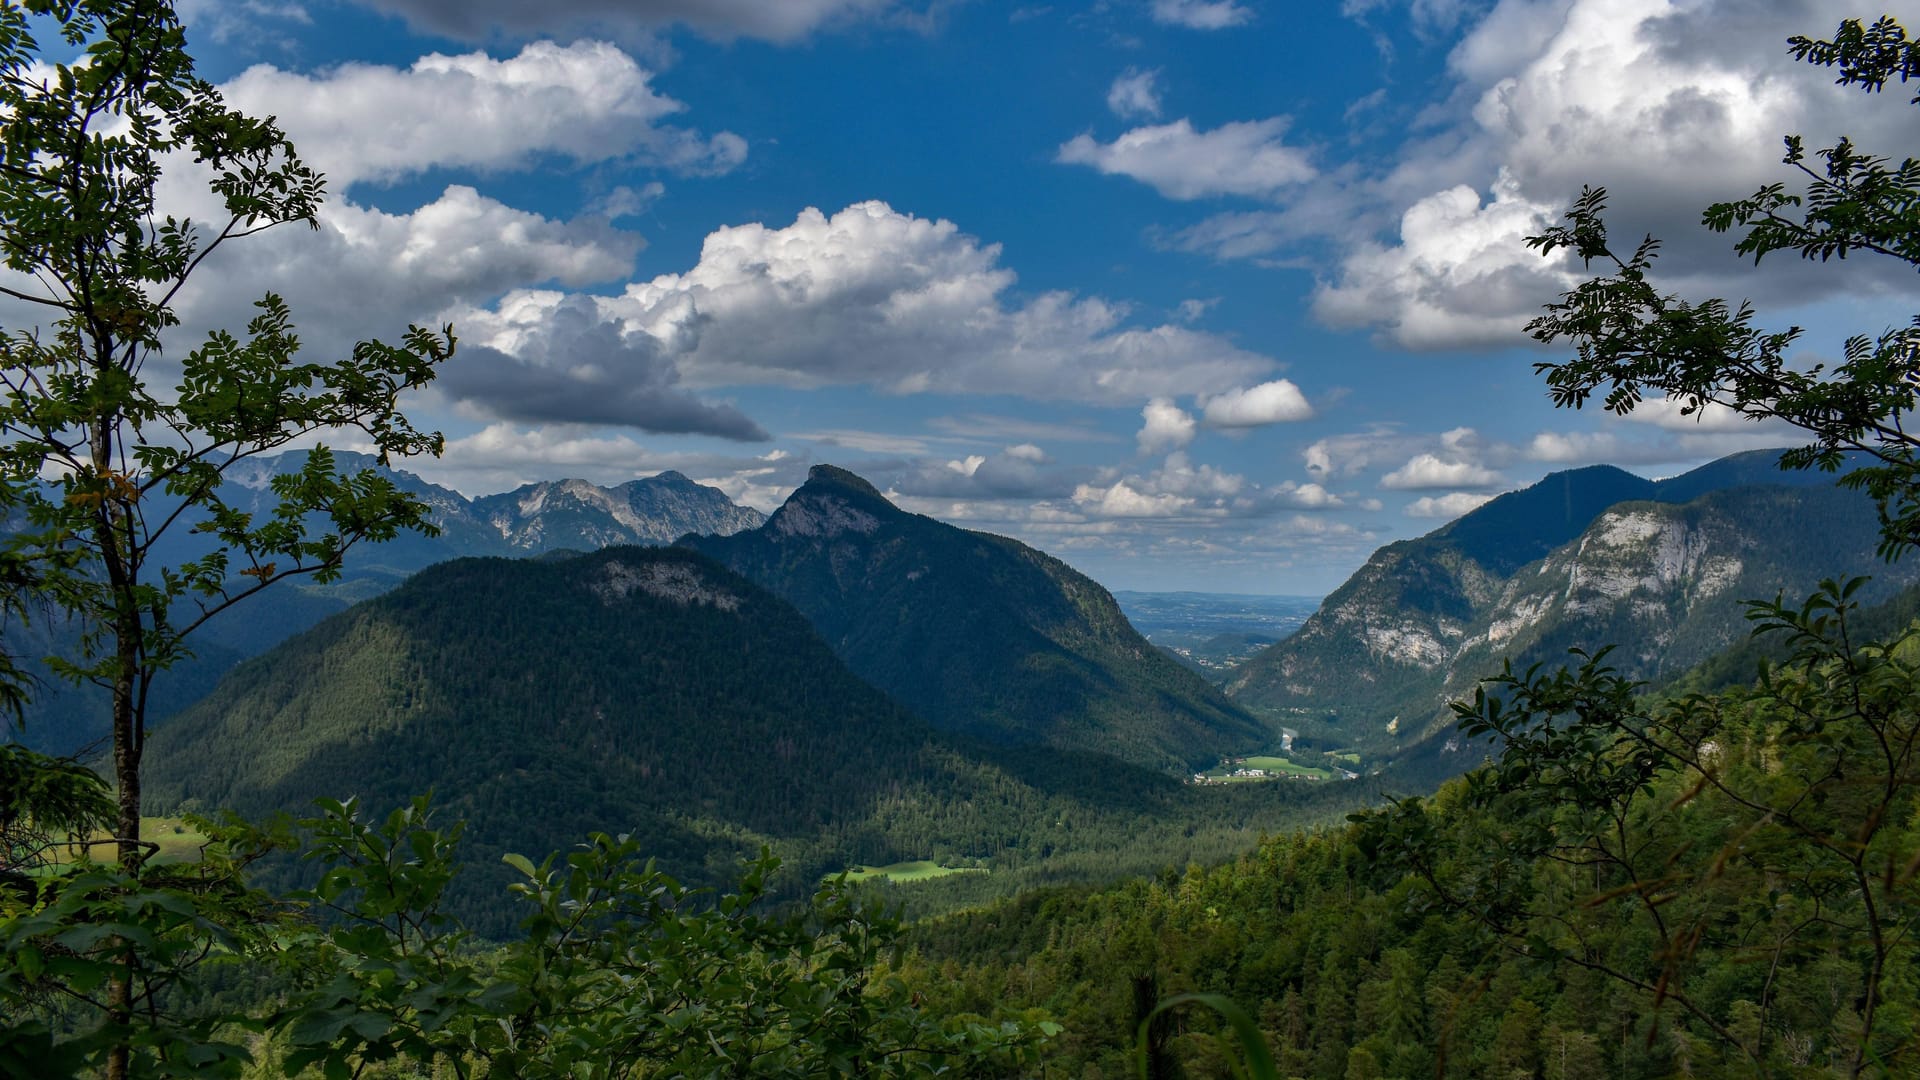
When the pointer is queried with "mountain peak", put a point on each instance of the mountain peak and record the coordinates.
(833, 476)
(832, 502)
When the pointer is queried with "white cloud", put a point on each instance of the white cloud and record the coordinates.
(624, 201)
(1573, 447)
(1134, 94)
(247, 21)
(1247, 158)
(1351, 453)
(1180, 487)
(1201, 14)
(587, 102)
(1120, 500)
(770, 20)
(1673, 414)
(1027, 452)
(1180, 476)
(1428, 15)
(1192, 308)
(1448, 506)
(1167, 427)
(870, 295)
(1276, 402)
(1307, 496)
(1677, 440)
(1461, 274)
(1631, 94)
(366, 272)
(1428, 471)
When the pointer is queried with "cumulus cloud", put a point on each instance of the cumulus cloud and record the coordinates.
(367, 272)
(1194, 491)
(1167, 427)
(1201, 14)
(1429, 471)
(1180, 476)
(1121, 500)
(1248, 158)
(1134, 94)
(1276, 402)
(1625, 93)
(1461, 274)
(873, 296)
(1449, 506)
(370, 272)
(375, 123)
(782, 21)
(551, 357)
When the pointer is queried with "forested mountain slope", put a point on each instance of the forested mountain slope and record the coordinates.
(1658, 569)
(1633, 886)
(978, 633)
(535, 519)
(643, 690)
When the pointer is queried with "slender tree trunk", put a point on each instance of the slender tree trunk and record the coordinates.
(126, 771)
(114, 536)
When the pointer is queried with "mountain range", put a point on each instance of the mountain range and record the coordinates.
(652, 691)
(1585, 558)
(530, 520)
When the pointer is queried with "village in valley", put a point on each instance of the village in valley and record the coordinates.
(1254, 768)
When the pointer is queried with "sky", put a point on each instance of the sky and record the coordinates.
(1195, 294)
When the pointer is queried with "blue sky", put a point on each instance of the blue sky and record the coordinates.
(1196, 294)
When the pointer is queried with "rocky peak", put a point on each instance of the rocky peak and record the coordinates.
(832, 502)
(833, 476)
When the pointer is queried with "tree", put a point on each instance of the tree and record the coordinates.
(1681, 848)
(42, 802)
(1631, 340)
(102, 462)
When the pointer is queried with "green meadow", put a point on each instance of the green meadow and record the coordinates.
(918, 870)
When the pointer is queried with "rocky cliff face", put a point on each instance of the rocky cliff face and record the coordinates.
(1664, 581)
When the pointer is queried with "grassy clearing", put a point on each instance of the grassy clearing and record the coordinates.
(918, 870)
(1286, 766)
(178, 843)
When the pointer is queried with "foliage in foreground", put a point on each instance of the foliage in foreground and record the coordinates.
(620, 972)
